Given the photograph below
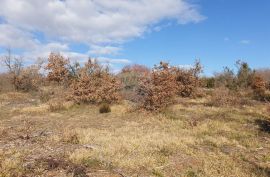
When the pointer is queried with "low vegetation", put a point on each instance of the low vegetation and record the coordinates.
(164, 121)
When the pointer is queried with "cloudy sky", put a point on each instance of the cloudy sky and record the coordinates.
(218, 32)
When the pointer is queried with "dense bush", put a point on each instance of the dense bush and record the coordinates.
(28, 79)
(187, 80)
(58, 68)
(95, 85)
(264, 73)
(159, 90)
(259, 88)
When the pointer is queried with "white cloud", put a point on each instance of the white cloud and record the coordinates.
(102, 25)
(245, 42)
(13, 37)
(113, 61)
(104, 50)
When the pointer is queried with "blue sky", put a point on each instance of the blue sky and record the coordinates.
(234, 29)
(218, 32)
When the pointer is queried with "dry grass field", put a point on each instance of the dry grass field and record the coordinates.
(189, 139)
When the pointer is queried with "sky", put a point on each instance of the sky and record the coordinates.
(123, 32)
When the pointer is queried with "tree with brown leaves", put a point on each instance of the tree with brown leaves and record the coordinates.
(95, 85)
(160, 89)
(57, 67)
(188, 80)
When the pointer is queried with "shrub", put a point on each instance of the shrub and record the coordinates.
(28, 79)
(268, 85)
(208, 82)
(95, 85)
(5, 84)
(264, 73)
(224, 97)
(104, 108)
(259, 88)
(56, 105)
(187, 80)
(57, 67)
(130, 77)
(44, 95)
(159, 90)
(244, 75)
(70, 136)
(226, 79)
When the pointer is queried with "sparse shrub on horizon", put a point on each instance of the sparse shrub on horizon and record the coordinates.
(160, 89)
(95, 84)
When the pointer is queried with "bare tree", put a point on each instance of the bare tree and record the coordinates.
(14, 65)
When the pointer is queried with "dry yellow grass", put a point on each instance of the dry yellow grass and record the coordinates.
(188, 139)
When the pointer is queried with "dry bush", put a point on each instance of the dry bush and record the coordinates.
(57, 67)
(95, 85)
(70, 136)
(160, 89)
(44, 95)
(224, 97)
(53, 91)
(5, 84)
(188, 80)
(208, 82)
(264, 73)
(104, 108)
(130, 77)
(22, 79)
(268, 110)
(29, 79)
(259, 88)
(56, 105)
